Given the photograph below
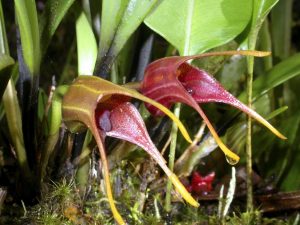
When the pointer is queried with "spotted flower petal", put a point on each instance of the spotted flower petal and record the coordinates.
(102, 107)
(124, 122)
(171, 80)
(204, 88)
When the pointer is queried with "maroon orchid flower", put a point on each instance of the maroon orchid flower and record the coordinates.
(106, 110)
(172, 79)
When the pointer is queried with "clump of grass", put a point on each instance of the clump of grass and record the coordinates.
(56, 202)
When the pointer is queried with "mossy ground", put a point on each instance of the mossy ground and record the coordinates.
(62, 203)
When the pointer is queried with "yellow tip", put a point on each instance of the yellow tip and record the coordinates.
(231, 157)
(181, 189)
(271, 128)
(264, 122)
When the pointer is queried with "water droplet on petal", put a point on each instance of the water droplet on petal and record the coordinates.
(231, 161)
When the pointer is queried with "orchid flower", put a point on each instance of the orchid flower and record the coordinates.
(106, 110)
(172, 79)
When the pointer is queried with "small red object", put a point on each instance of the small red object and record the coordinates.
(200, 184)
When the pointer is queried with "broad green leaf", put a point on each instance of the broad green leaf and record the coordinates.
(112, 12)
(54, 12)
(195, 26)
(29, 31)
(120, 18)
(279, 74)
(86, 46)
(5, 64)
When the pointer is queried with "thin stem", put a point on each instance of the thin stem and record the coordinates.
(249, 137)
(250, 66)
(174, 132)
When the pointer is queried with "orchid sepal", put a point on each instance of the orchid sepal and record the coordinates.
(164, 82)
(79, 109)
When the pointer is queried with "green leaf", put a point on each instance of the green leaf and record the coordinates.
(279, 74)
(260, 11)
(5, 64)
(195, 26)
(86, 46)
(289, 156)
(291, 181)
(3, 38)
(120, 18)
(55, 116)
(281, 25)
(54, 12)
(54, 121)
(5, 61)
(112, 12)
(29, 32)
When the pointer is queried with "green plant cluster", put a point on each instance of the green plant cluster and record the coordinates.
(46, 44)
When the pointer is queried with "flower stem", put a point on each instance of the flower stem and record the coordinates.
(249, 137)
(172, 157)
(250, 66)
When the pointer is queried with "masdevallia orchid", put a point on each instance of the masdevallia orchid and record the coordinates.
(172, 79)
(106, 110)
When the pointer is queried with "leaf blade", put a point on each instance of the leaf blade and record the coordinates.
(199, 21)
(30, 35)
(86, 46)
(282, 72)
(6, 62)
(53, 14)
(119, 20)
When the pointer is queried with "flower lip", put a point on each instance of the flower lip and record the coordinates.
(124, 122)
(204, 89)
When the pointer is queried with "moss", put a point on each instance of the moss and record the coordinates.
(61, 203)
